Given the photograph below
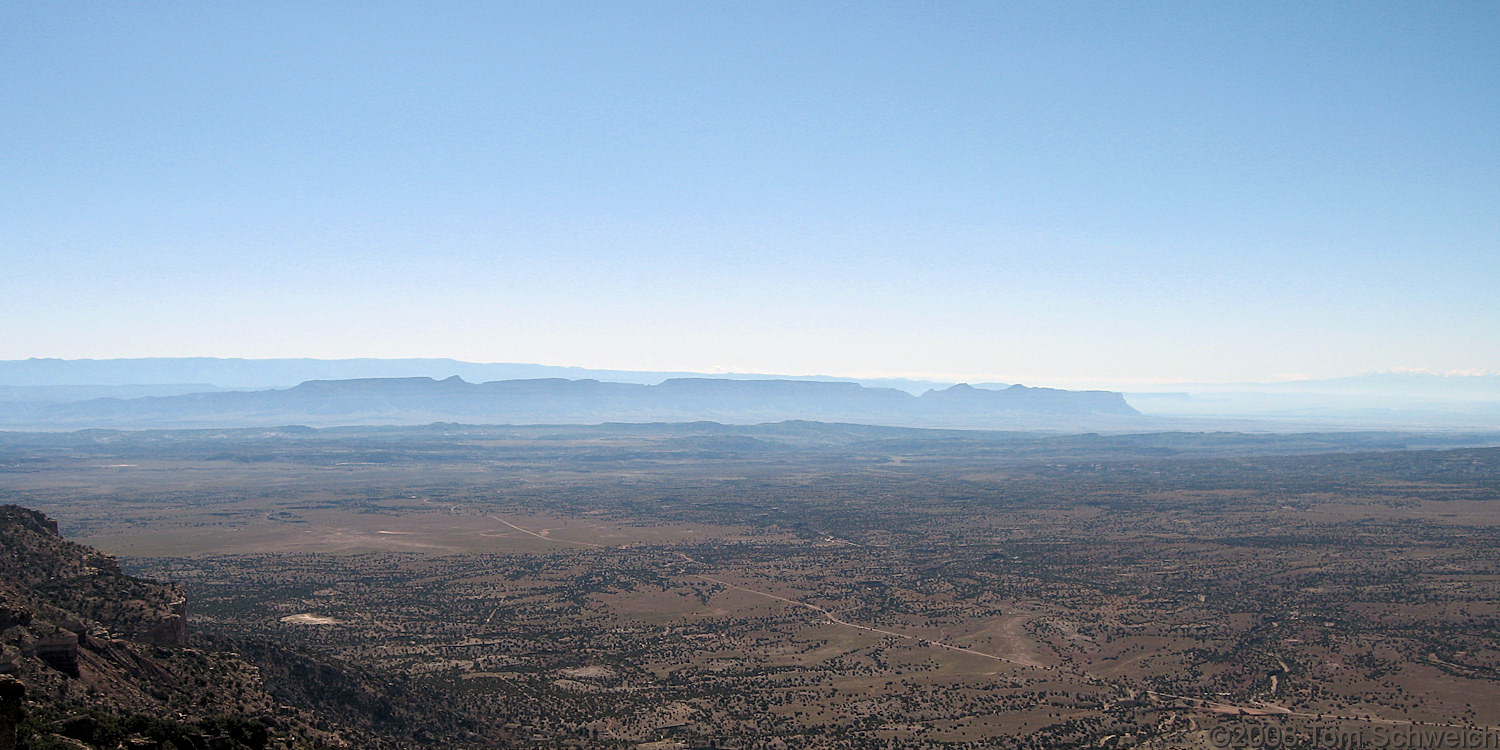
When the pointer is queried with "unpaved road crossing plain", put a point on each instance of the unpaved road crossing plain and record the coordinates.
(826, 586)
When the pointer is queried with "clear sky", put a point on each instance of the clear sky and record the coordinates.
(1049, 193)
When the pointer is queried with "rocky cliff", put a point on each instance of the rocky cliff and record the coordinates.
(91, 657)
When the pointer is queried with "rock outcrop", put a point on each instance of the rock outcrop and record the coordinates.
(75, 587)
(12, 701)
(90, 655)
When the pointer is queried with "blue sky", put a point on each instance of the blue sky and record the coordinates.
(1053, 193)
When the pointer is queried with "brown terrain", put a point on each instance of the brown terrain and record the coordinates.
(816, 586)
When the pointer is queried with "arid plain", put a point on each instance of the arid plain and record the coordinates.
(807, 585)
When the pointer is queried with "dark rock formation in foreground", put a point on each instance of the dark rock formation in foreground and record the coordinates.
(92, 657)
(44, 575)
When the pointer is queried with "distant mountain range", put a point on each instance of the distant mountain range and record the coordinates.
(49, 394)
(422, 400)
(58, 380)
(1378, 401)
(1399, 385)
(241, 374)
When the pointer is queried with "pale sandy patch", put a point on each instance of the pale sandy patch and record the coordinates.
(311, 619)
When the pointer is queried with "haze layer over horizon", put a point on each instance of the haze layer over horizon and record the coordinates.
(1030, 193)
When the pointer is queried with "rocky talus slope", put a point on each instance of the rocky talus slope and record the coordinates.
(93, 658)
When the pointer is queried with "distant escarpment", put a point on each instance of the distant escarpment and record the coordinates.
(555, 401)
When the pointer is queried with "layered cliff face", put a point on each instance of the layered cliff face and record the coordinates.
(92, 657)
(70, 584)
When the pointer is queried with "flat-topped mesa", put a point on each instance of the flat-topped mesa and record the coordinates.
(421, 400)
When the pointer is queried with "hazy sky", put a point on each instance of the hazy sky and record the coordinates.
(1052, 193)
